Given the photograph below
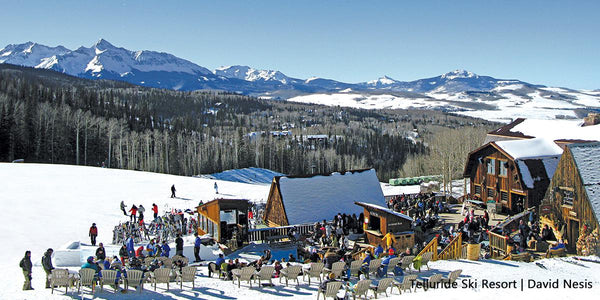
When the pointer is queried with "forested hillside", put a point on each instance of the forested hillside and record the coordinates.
(50, 117)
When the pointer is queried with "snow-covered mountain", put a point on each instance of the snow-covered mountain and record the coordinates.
(251, 74)
(458, 91)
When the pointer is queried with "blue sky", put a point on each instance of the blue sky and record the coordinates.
(547, 42)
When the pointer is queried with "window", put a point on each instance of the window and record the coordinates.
(567, 196)
(490, 193)
(503, 196)
(491, 166)
(478, 190)
(503, 168)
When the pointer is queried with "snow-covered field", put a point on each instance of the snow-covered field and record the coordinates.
(49, 205)
(508, 107)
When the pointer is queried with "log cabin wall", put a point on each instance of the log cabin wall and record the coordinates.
(501, 185)
(567, 202)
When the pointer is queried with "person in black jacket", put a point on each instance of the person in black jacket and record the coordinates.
(124, 254)
(179, 245)
(25, 265)
(47, 264)
(101, 253)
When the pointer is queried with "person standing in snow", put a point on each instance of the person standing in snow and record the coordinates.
(130, 247)
(216, 188)
(179, 245)
(25, 265)
(123, 207)
(141, 211)
(155, 210)
(173, 190)
(133, 210)
(197, 248)
(165, 249)
(93, 234)
(47, 264)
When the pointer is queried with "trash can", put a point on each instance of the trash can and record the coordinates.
(473, 251)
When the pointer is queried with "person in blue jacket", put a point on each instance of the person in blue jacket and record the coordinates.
(151, 248)
(378, 251)
(90, 264)
(130, 247)
(385, 262)
(165, 249)
(197, 244)
(220, 260)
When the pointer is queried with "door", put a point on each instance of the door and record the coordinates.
(573, 235)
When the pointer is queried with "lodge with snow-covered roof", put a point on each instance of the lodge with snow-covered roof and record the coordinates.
(571, 205)
(515, 164)
(514, 173)
(309, 199)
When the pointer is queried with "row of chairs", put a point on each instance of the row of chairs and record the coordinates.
(362, 287)
(62, 278)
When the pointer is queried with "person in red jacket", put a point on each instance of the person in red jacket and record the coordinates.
(93, 233)
(133, 211)
(155, 210)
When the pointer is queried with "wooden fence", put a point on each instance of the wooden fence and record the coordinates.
(274, 234)
(431, 247)
(498, 244)
(453, 250)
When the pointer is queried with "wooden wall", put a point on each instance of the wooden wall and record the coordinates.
(274, 211)
(509, 184)
(566, 180)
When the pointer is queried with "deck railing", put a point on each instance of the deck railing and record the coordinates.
(431, 247)
(498, 243)
(273, 234)
(453, 250)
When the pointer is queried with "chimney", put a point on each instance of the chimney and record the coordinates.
(591, 119)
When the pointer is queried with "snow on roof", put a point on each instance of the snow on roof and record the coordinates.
(312, 199)
(557, 129)
(531, 148)
(587, 157)
(387, 210)
(527, 152)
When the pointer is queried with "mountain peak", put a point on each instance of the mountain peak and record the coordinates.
(384, 80)
(459, 74)
(103, 44)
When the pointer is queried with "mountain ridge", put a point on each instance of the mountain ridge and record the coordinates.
(104, 60)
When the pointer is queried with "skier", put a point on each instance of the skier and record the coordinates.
(123, 207)
(47, 264)
(25, 265)
(155, 210)
(93, 233)
(179, 245)
(130, 248)
(133, 212)
(173, 190)
(197, 248)
(216, 188)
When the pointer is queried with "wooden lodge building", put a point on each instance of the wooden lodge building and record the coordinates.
(572, 201)
(512, 169)
(295, 200)
(380, 221)
(514, 173)
(224, 218)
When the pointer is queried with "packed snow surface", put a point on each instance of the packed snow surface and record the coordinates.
(52, 205)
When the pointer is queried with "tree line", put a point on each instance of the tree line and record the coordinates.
(48, 117)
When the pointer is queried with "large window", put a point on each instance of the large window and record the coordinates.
(503, 168)
(491, 166)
